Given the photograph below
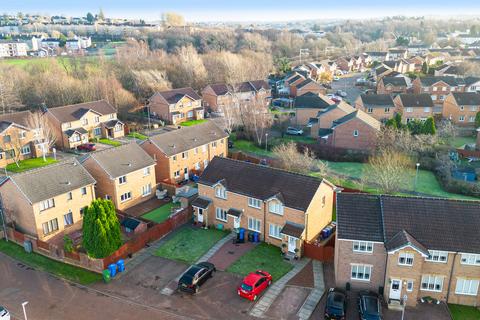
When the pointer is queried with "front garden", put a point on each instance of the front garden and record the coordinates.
(190, 244)
(192, 122)
(265, 257)
(460, 312)
(29, 164)
(109, 142)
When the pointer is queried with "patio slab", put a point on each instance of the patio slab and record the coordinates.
(229, 253)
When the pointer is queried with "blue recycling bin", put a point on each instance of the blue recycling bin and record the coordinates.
(241, 235)
(120, 265)
(113, 270)
(255, 237)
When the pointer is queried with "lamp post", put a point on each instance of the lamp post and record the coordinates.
(24, 311)
(404, 305)
(266, 141)
(416, 177)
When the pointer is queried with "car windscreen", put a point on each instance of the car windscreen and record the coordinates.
(246, 287)
(335, 303)
(187, 279)
(371, 305)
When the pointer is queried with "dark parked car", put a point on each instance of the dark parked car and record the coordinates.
(336, 306)
(369, 306)
(230, 144)
(87, 147)
(196, 276)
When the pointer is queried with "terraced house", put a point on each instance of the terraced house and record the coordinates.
(461, 108)
(414, 106)
(379, 106)
(176, 105)
(392, 85)
(43, 202)
(438, 87)
(285, 208)
(76, 124)
(125, 175)
(17, 140)
(407, 246)
(182, 152)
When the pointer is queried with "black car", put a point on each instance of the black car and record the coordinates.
(195, 276)
(369, 306)
(336, 305)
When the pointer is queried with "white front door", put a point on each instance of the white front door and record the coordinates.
(185, 171)
(236, 222)
(292, 244)
(200, 215)
(395, 289)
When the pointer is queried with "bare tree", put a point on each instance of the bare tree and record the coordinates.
(8, 94)
(44, 130)
(256, 119)
(388, 169)
(302, 162)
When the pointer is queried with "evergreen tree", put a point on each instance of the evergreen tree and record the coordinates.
(415, 126)
(90, 17)
(101, 229)
(425, 68)
(395, 122)
(429, 126)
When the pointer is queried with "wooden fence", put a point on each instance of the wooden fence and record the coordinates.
(323, 252)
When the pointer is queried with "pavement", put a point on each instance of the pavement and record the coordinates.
(314, 297)
(229, 253)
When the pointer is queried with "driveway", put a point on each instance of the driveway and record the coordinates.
(347, 84)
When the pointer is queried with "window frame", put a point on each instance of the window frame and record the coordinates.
(277, 204)
(122, 180)
(406, 256)
(126, 196)
(222, 212)
(476, 259)
(253, 201)
(364, 266)
(439, 254)
(255, 223)
(275, 227)
(50, 204)
(221, 192)
(470, 282)
(358, 250)
(429, 282)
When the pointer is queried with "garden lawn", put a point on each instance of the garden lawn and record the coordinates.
(189, 244)
(136, 135)
(289, 138)
(459, 142)
(460, 312)
(192, 122)
(110, 142)
(265, 257)
(28, 164)
(250, 147)
(40, 262)
(160, 214)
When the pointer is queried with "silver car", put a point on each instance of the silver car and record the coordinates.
(294, 131)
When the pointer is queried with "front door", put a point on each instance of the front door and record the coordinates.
(236, 222)
(395, 289)
(185, 171)
(200, 215)
(292, 244)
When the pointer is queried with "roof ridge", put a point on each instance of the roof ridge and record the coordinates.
(430, 198)
(76, 104)
(382, 218)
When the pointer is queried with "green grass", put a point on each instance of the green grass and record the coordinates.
(263, 256)
(189, 244)
(288, 138)
(110, 142)
(250, 147)
(192, 122)
(459, 142)
(28, 164)
(160, 214)
(460, 312)
(136, 135)
(42, 263)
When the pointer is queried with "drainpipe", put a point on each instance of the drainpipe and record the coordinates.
(385, 277)
(264, 221)
(451, 276)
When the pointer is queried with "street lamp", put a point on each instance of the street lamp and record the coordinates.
(416, 177)
(266, 141)
(24, 311)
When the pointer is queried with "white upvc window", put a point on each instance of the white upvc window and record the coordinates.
(444, 88)
(221, 214)
(50, 226)
(126, 196)
(68, 218)
(461, 118)
(363, 246)
(275, 207)
(146, 171)
(254, 203)
(387, 110)
(470, 259)
(405, 258)
(355, 133)
(409, 109)
(122, 180)
(83, 191)
(25, 150)
(47, 204)
(409, 285)
(432, 283)
(437, 256)
(426, 109)
(146, 190)
(274, 231)
(185, 155)
(85, 121)
(22, 134)
(361, 272)
(176, 174)
(474, 108)
(471, 119)
(214, 144)
(369, 110)
(434, 97)
(220, 192)
(254, 224)
(467, 287)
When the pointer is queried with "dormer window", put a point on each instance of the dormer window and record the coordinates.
(275, 206)
(405, 259)
(221, 192)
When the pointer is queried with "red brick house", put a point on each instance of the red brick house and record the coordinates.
(392, 85)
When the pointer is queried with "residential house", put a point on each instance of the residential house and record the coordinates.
(392, 85)
(395, 54)
(417, 49)
(185, 151)
(414, 106)
(417, 62)
(448, 70)
(461, 108)
(77, 123)
(308, 105)
(176, 105)
(472, 84)
(346, 64)
(292, 82)
(377, 56)
(435, 58)
(309, 85)
(125, 175)
(218, 96)
(355, 131)
(10, 48)
(286, 209)
(325, 118)
(45, 201)
(379, 106)
(409, 246)
(17, 140)
(438, 87)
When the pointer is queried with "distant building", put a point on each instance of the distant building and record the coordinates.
(10, 48)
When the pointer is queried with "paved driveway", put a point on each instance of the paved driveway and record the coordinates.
(347, 84)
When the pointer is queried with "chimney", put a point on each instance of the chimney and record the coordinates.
(478, 139)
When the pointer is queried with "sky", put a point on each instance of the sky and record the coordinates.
(246, 10)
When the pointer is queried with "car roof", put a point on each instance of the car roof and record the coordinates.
(193, 270)
(252, 278)
(371, 304)
(336, 299)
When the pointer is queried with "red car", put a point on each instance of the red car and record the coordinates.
(87, 147)
(253, 284)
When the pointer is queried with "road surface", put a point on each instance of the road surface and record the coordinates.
(347, 84)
